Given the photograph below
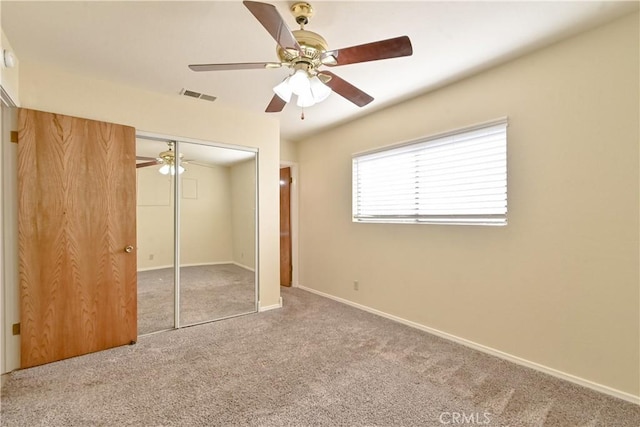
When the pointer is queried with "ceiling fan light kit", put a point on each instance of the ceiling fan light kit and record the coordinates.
(170, 169)
(167, 159)
(304, 52)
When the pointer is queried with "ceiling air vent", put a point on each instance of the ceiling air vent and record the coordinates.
(198, 95)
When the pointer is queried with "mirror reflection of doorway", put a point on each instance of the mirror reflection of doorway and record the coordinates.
(214, 224)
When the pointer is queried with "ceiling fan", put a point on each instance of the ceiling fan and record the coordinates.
(166, 158)
(305, 52)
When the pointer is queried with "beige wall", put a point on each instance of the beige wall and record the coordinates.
(155, 211)
(559, 285)
(205, 221)
(243, 211)
(49, 89)
(288, 151)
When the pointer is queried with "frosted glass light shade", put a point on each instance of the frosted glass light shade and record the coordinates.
(309, 90)
(283, 90)
(305, 99)
(170, 169)
(319, 90)
(299, 82)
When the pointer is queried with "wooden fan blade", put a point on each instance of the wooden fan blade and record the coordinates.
(145, 158)
(145, 164)
(276, 105)
(347, 90)
(237, 66)
(383, 49)
(268, 16)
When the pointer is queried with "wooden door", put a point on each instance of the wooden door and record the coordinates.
(76, 216)
(285, 227)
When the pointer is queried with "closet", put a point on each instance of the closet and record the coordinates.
(196, 232)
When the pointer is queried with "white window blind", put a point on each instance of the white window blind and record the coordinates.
(456, 178)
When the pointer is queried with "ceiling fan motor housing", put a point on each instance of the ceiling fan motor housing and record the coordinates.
(168, 157)
(312, 44)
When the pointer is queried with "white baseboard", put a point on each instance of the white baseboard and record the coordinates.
(199, 264)
(270, 307)
(160, 267)
(492, 351)
(246, 267)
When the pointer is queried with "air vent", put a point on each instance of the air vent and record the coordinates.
(198, 95)
(191, 93)
(207, 97)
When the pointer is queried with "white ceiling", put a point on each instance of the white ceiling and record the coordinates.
(149, 45)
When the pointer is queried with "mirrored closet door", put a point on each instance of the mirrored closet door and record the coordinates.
(206, 220)
(155, 239)
(217, 233)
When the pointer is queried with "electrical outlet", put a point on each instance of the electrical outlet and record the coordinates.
(356, 285)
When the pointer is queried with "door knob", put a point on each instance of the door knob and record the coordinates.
(128, 249)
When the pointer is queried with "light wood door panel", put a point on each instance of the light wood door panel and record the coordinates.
(76, 215)
(285, 227)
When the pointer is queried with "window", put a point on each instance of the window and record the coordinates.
(456, 178)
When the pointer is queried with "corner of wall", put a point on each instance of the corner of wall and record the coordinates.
(262, 308)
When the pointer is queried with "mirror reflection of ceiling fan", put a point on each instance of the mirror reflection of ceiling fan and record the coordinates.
(166, 158)
(305, 52)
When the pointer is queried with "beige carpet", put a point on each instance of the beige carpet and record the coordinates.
(208, 292)
(315, 362)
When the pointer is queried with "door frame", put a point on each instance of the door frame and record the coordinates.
(294, 221)
(10, 305)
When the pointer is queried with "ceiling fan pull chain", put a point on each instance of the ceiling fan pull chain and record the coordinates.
(302, 114)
